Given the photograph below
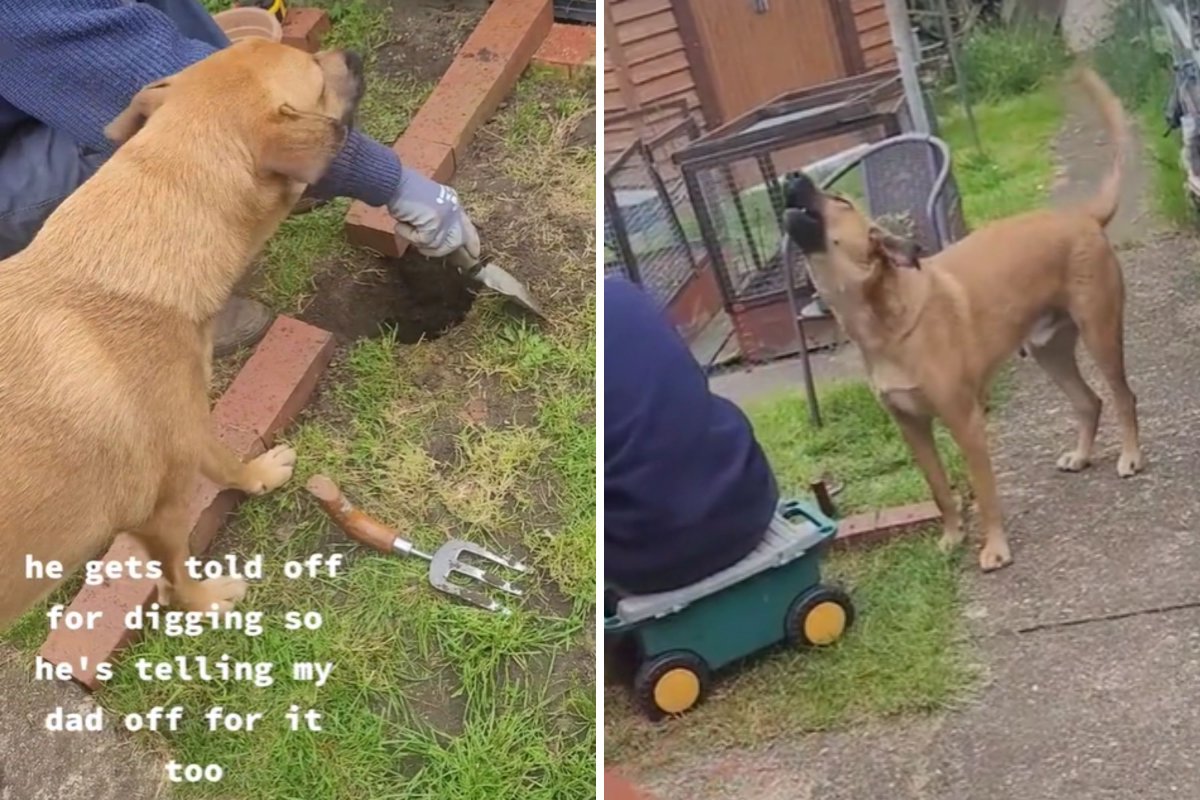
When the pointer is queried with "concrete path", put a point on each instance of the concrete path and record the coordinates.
(1091, 640)
(38, 765)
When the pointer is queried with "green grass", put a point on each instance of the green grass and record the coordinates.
(1015, 171)
(488, 434)
(905, 653)
(1002, 62)
(858, 446)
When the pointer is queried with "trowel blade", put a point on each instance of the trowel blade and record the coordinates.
(499, 281)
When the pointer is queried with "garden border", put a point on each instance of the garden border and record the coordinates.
(269, 391)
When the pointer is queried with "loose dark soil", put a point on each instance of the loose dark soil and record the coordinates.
(426, 34)
(414, 297)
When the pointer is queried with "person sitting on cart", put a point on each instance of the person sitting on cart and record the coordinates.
(687, 488)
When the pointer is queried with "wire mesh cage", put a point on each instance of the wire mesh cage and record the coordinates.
(650, 229)
(582, 11)
(734, 173)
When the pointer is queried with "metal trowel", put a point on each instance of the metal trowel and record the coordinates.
(491, 276)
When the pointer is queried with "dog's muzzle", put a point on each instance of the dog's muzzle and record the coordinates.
(802, 218)
(358, 84)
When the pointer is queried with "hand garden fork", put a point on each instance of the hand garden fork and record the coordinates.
(445, 561)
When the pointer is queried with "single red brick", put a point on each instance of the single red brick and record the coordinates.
(484, 72)
(898, 518)
(853, 530)
(568, 47)
(267, 393)
(209, 507)
(305, 28)
(371, 227)
(276, 381)
(374, 228)
(114, 599)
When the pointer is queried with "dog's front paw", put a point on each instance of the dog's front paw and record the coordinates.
(951, 539)
(270, 470)
(1073, 461)
(220, 594)
(994, 556)
(1129, 464)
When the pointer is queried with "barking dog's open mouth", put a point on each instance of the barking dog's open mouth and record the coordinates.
(802, 218)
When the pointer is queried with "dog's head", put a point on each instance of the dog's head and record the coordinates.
(289, 110)
(837, 238)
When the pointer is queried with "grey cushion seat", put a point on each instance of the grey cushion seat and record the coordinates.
(785, 541)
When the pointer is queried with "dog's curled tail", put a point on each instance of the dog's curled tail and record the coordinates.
(1102, 207)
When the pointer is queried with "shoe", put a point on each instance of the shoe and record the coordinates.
(241, 323)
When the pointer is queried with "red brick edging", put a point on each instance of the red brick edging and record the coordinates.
(268, 392)
(568, 47)
(876, 526)
(485, 70)
(305, 28)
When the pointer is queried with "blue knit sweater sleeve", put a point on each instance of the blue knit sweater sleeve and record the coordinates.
(75, 64)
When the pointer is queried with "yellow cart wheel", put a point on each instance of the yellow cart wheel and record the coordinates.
(670, 684)
(819, 617)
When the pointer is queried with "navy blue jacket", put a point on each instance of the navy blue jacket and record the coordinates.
(687, 489)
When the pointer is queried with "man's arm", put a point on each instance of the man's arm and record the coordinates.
(76, 64)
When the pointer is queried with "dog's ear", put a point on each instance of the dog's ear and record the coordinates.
(143, 104)
(895, 250)
(301, 146)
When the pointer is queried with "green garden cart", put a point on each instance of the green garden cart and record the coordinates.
(773, 595)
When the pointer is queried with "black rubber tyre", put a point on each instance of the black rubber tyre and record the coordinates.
(671, 684)
(814, 620)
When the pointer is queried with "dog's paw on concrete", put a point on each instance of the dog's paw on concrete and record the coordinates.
(994, 556)
(1073, 461)
(270, 470)
(1129, 465)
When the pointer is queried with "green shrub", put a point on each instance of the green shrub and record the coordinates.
(1003, 62)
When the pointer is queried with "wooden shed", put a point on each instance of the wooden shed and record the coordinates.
(720, 58)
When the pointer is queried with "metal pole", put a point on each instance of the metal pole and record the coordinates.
(906, 59)
(959, 76)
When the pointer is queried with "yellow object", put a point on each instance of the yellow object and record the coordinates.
(824, 623)
(275, 7)
(677, 690)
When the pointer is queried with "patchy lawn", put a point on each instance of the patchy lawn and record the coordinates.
(447, 416)
(1015, 171)
(906, 651)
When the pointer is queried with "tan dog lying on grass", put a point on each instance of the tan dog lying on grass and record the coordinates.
(934, 331)
(105, 335)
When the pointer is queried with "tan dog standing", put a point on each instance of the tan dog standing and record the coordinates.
(105, 335)
(933, 332)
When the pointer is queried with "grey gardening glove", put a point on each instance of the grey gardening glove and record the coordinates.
(429, 215)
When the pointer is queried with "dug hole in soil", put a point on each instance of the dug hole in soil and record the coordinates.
(413, 297)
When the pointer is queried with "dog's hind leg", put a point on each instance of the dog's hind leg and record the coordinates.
(968, 426)
(1056, 356)
(918, 433)
(1101, 325)
(165, 535)
(258, 476)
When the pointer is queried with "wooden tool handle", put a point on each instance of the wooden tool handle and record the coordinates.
(355, 523)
